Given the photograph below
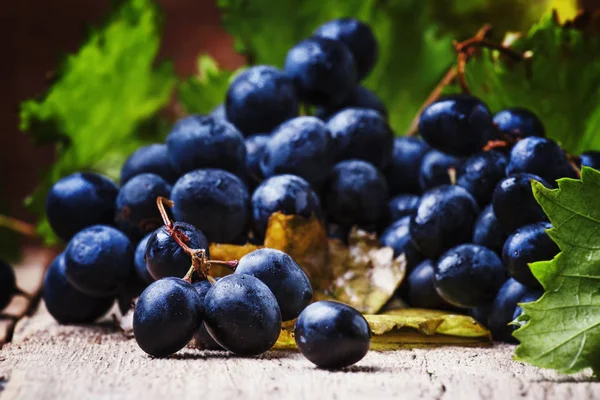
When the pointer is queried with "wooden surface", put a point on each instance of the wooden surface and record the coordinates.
(49, 361)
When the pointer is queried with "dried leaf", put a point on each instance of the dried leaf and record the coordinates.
(228, 252)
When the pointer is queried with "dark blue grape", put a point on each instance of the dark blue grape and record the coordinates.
(65, 303)
(80, 200)
(531, 296)
(403, 205)
(137, 213)
(459, 125)
(166, 316)
(301, 146)
(518, 123)
(397, 236)
(514, 204)
(164, 257)
(468, 275)
(255, 149)
(99, 260)
(359, 97)
(288, 194)
(8, 284)
(282, 275)
(526, 245)
(361, 134)
(323, 71)
(356, 194)
(444, 219)
(487, 231)
(359, 39)
(332, 335)
(139, 260)
(421, 290)
(481, 314)
(153, 159)
(214, 201)
(219, 112)
(435, 169)
(403, 171)
(203, 339)
(206, 142)
(590, 159)
(480, 174)
(261, 98)
(242, 315)
(503, 309)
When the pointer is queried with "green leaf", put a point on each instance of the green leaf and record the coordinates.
(101, 97)
(562, 329)
(563, 88)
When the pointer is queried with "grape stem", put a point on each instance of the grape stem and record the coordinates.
(17, 225)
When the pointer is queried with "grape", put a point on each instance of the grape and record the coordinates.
(301, 146)
(468, 275)
(139, 260)
(359, 97)
(459, 125)
(487, 232)
(164, 257)
(590, 159)
(503, 309)
(362, 134)
(518, 123)
(444, 219)
(539, 156)
(261, 98)
(323, 71)
(397, 236)
(480, 173)
(526, 245)
(435, 169)
(532, 295)
(357, 194)
(214, 201)
(332, 335)
(255, 149)
(242, 315)
(359, 39)
(99, 260)
(421, 290)
(202, 337)
(481, 314)
(78, 201)
(66, 304)
(282, 275)
(137, 213)
(205, 142)
(403, 172)
(219, 112)
(403, 205)
(288, 194)
(8, 284)
(514, 204)
(153, 159)
(166, 316)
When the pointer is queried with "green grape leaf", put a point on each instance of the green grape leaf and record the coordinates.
(562, 329)
(101, 98)
(561, 83)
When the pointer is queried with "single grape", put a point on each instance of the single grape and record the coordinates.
(282, 275)
(137, 213)
(323, 71)
(99, 260)
(66, 304)
(359, 39)
(166, 316)
(526, 245)
(332, 335)
(362, 134)
(518, 123)
(8, 284)
(590, 159)
(219, 112)
(203, 339)
(261, 98)
(206, 142)
(255, 149)
(403, 205)
(503, 309)
(403, 171)
(129, 291)
(444, 219)
(481, 314)
(514, 204)
(397, 236)
(80, 200)
(153, 159)
(139, 260)
(359, 97)
(459, 125)
(242, 315)
(214, 201)
(531, 296)
(356, 194)
(468, 275)
(164, 256)
(480, 174)
(301, 146)
(487, 232)
(436, 169)
(421, 290)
